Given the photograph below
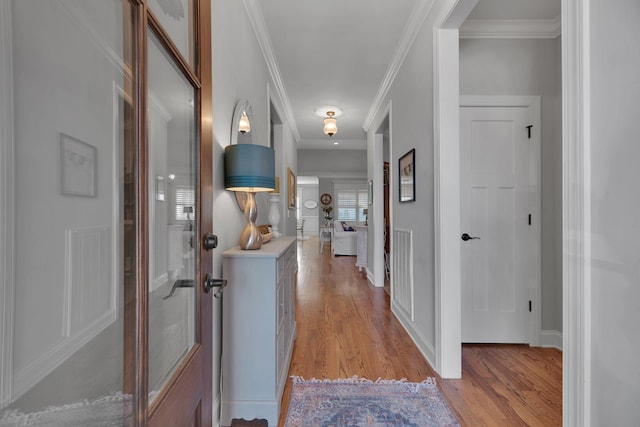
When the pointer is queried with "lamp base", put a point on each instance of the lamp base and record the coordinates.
(250, 238)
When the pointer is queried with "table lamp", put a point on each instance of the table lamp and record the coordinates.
(249, 168)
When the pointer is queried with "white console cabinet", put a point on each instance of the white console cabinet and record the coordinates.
(259, 329)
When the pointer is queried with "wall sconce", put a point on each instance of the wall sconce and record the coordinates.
(330, 126)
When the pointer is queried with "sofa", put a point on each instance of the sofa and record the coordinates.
(343, 242)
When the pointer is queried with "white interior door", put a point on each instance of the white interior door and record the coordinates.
(496, 194)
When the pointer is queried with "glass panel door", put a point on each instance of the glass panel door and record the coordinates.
(173, 230)
(71, 187)
(177, 20)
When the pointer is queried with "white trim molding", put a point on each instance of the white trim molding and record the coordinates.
(576, 224)
(7, 204)
(551, 339)
(511, 29)
(448, 313)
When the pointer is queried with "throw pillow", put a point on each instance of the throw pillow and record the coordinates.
(349, 229)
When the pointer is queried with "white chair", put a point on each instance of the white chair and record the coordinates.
(343, 242)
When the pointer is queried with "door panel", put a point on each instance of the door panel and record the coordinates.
(173, 227)
(495, 205)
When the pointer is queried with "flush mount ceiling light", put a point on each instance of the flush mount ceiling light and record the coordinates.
(330, 126)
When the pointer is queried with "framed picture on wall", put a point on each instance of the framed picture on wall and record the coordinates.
(77, 167)
(407, 175)
(291, 189)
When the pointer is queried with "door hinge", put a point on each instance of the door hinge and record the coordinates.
(529, 306)
(529, 130)
(529, 219)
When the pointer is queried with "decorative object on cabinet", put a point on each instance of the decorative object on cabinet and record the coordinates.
(407, 176)
(291, 189)
(248, 168)
(274, 213)
(259, 329)
(326, 199)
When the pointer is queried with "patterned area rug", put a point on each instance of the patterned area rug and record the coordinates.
(357, 402)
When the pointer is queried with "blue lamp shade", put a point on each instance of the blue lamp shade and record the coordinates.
(249, 167)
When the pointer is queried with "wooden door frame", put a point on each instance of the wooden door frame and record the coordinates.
(186, 379)
(532, 103)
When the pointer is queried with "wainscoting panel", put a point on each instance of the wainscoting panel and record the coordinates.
(311, 225)
(89, 302)
(403, 270)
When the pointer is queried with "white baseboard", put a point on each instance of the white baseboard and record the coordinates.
(215, 412)
(426, 348)
(551, 339)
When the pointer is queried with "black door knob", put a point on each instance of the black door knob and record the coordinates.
(210, 241)
(466, 237)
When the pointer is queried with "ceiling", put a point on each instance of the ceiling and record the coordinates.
(337, 53)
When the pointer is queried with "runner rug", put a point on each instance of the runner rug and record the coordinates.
(356, 402)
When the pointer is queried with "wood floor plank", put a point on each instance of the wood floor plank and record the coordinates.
(346, 328)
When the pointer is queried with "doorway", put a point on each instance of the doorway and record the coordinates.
(500, 205)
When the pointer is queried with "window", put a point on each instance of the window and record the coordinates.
(185, 198)
(351, 203)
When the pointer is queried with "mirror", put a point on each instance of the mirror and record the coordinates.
(241, 134)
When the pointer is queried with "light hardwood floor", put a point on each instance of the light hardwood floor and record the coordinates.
(345, 328)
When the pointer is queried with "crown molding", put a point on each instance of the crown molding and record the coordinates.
(511, 29)
(256, 18)
(417, 17)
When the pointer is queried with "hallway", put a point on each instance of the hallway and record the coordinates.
(345, 328)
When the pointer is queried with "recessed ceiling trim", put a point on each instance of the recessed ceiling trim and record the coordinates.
(511, 29)
(256, 18)
(417, 17)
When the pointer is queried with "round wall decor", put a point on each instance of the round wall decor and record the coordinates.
(310, 204)
(326, 199)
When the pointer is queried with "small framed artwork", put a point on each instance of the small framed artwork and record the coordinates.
(407, 175)
(291, 189)
(370, 192)
(77, 167)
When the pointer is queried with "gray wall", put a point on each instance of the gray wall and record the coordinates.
(238, 77)
(615, 213)
(333, 163)
(529, 67)
(411, 124)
